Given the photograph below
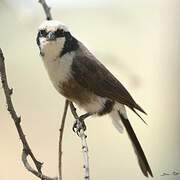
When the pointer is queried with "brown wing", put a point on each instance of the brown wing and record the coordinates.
(91, 74)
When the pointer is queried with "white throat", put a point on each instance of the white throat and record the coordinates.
(58, 68)
(51, 50)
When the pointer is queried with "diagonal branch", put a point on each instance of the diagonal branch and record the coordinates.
(33, 171)
(83, 142)
(47, 9)
(17, 120)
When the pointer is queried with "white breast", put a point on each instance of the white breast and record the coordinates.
(59, 69)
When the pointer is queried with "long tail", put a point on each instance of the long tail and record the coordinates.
(143, 163)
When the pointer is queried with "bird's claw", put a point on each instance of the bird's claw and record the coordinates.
(78, 126)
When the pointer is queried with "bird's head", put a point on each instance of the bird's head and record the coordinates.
(54, 36)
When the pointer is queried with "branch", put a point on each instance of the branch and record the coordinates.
(83, 142)
(33, 171)
(47, 9)
(61, 130)
(17, 120)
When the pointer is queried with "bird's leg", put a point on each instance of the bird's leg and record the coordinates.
(80, 124)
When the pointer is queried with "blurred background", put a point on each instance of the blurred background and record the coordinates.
(138, 40)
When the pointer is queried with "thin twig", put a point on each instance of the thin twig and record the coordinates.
(17, 119)
(47, 9)
(33, 171)
(61, 130)
(83, 142)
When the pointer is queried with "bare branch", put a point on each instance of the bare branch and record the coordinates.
(61, 130)
(33, 171)
(47, 9)
(83, 142)
(17, 120)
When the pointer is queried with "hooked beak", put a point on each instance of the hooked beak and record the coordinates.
(51, 36)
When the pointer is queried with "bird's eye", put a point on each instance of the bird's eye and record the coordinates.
(43, 33)
(59, 33)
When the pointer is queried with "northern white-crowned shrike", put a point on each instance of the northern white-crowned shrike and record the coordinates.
(81, 78)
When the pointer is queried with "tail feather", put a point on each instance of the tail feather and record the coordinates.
(139, 116)
(139, 108)
(143, 163)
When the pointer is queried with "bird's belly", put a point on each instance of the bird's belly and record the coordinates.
(81, 96)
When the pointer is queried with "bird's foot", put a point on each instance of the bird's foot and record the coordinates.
(79, 125)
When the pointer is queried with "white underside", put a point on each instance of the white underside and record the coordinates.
(98, 103)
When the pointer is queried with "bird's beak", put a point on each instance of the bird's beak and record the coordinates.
(51, 36)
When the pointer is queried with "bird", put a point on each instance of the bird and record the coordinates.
(82, 79)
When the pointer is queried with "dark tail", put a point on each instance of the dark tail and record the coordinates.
(136, 106)
(143, 163)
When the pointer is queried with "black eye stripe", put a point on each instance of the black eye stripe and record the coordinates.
(59, 33)
(43, 33)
